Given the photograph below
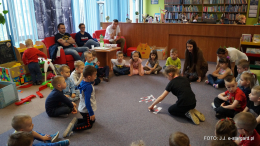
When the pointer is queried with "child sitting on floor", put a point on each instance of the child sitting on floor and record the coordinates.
(24, 123)
(87, 104)
(69, 91)
(120, 67)
(253, 105)
(231, 102)
(247, 82)
(77, 74)
(30, 58)
(216, 79)
(242, 67)
(20, 138)
(246, 123)
(101, 71)
(57, 104)
(173, 59)
(225, 129)
(89, 59)
(136, 66)
(153, 60)
(179, 139)
(180, 87)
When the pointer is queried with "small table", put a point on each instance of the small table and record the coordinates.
(105, 55)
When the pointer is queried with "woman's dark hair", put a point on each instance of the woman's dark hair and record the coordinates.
(81, 24)
(225, 60)
(155, 53)
(221, 51)
(194, 50)
(135, 52)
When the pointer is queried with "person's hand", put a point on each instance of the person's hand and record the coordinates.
(81, 75)
(67, 96)
(150, 108)
(182, 74)
(140, 74)
(130, 75)
(111, 68)
(74, 104)
(73, 95)
(152, 69)
(92, 118)
(98, 63)
(222, 104)
(199, 80)
(74, 111)
(46, 137)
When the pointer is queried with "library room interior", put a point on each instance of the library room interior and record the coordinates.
(130, 72)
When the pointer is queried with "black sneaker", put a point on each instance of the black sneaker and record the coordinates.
(35, 83)
(105, 79)
(117, 74)
(39, 82)
(219, 116)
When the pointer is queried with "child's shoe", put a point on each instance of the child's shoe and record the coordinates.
(215, 86)
(219, 116)
(35, 83)
(199, 115)
(54, 137)
(155, 72)
(70, 127)
(65, 142)
(39, 82)
(213, 105)
(190, 114)
(105, 79)
(207, 82)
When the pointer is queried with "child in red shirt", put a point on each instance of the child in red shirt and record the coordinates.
(231, 102)
(246, 123)
(30, 57)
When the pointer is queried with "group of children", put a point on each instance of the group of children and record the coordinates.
(80, 85)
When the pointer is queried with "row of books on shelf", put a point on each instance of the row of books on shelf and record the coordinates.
(173, 8)
(248, 37)
(236, 1)
(229, 8)
(210, 16)
(173, 21)
(253, 50)
(173, 2)
(232, 16)
(191, 9)
(170, 15)
(214, 9)
(192, 1)
(213, 2)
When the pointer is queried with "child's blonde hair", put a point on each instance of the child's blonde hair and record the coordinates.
(257, 90)
(78, 63)
(62, 67)
(94, 53)
(86, 53)
(20, 138)
(171, 69)
(240, 17)
(18, 121)
(251, 77)
(28, 42)
(226, 128)
(179, 139)
(246, 121)
(56, 80)
(138, 143)
(173, 50)
(244, 64)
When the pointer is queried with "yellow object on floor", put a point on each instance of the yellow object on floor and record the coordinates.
(17, 64)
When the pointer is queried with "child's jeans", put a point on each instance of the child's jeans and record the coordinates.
(61, 110)
(223, 111)
(214, 80)
(121, 71)
(76, 97)
(103, 71)
(35, 71)
(45, 144)
(83, 123)
(158, 69)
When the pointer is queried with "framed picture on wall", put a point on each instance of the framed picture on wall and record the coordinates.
(154, 1)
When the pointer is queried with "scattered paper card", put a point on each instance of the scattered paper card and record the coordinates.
(157, 110)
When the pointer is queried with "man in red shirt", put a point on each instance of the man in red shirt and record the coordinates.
(30, 57)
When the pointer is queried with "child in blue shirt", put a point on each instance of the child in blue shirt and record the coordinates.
(87, 104)
(89, 59)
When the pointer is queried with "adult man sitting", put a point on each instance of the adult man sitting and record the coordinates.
(65, 40)
(113, 34)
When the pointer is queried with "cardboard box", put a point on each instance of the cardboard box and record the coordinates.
(8, 94)
(162, 52)
(12, 72)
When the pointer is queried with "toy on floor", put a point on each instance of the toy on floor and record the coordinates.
(26, 99)
(50, 85)
(48, 63)
(50, 76)
(20, 91)
(46, 82)
(149, 99)
(26, 86)
(39, 94)
(42, 87)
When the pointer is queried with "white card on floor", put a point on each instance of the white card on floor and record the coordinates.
(157, 110)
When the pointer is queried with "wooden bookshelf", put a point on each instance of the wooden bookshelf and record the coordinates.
(230, 15)
(252, 57)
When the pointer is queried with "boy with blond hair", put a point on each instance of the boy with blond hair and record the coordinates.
(23, 122)
(30, 58)
(242, 67)
(120, 67)
(69, 91)
(57, 104)
(179, 139)
(89, 58)
(77, 74)
(101, 71)
(173, 59)
(253, 105)
(246, 123)
(231, 102)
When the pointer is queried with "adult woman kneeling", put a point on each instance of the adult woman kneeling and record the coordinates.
(195, 66)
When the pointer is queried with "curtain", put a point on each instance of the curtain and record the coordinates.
(49, 14)
(20, 21)
(117, 9)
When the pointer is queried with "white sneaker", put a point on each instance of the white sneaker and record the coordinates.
(213, 105)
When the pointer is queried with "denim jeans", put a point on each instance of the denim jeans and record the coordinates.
(35, 71)
(91, 42)
(44, 144)
(61, 110)
(121, 71)
(74, 52)
(103, 71)
(224, 111)
(214, 80)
